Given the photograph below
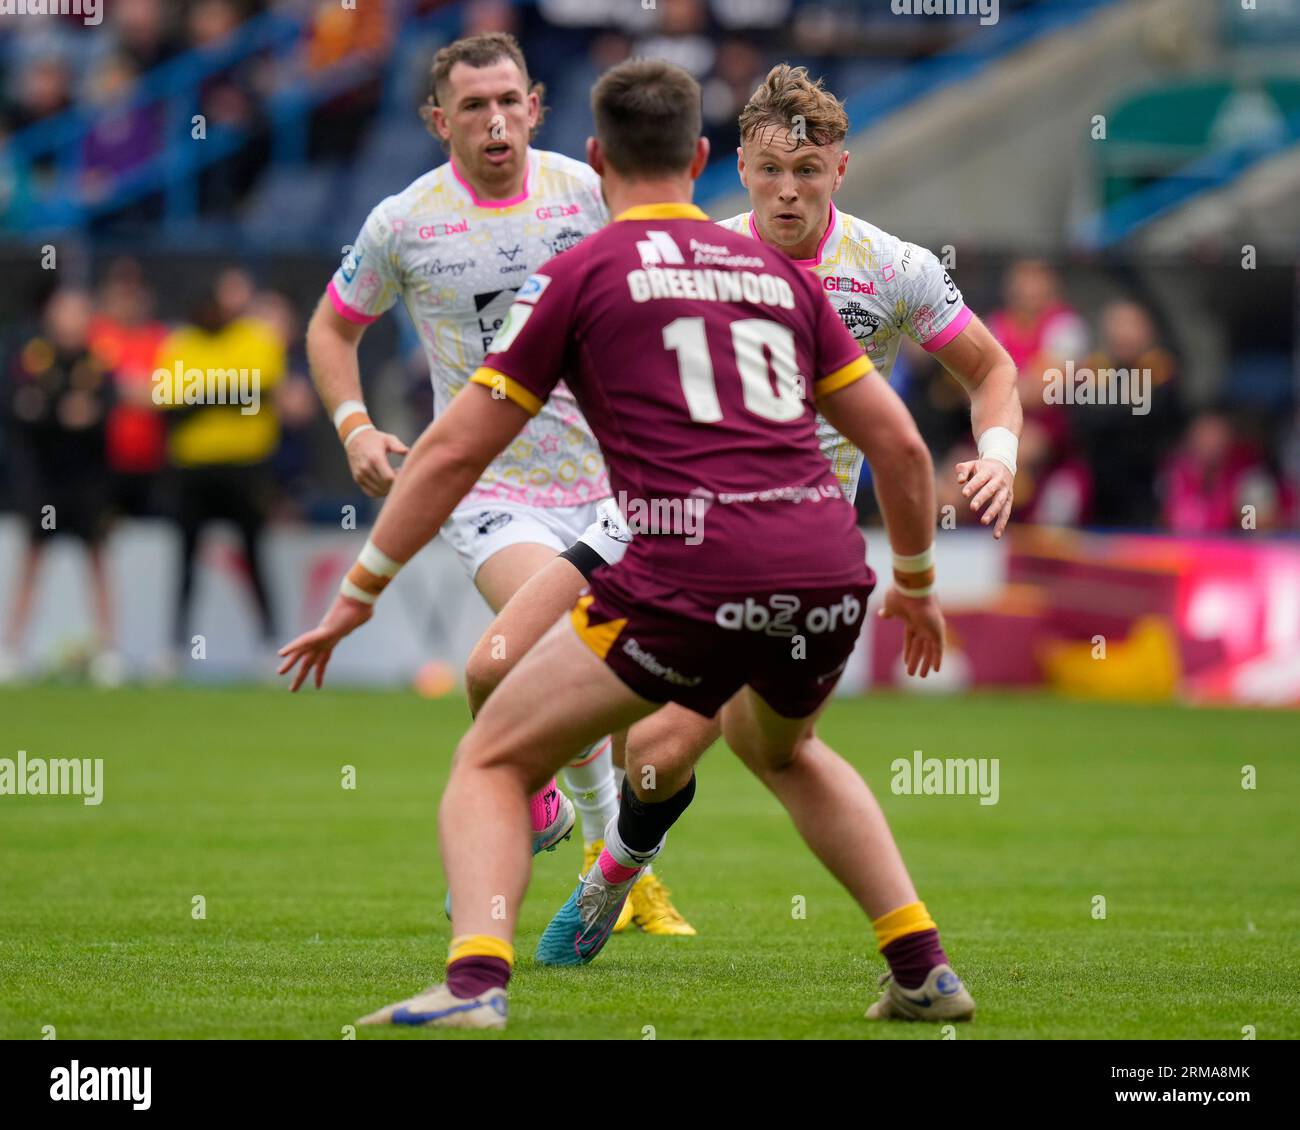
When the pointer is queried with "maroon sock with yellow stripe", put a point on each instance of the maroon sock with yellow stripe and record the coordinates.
(909, 941)
(477, 963)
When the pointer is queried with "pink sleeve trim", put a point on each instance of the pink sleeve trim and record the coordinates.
(950, 331)
(347, 311)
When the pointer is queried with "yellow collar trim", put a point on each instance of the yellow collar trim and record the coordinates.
(662, 212)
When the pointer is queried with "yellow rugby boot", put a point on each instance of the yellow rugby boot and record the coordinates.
(653, 910)
(590, 853)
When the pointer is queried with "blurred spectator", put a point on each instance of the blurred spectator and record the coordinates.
(1126, 447)
(1041, 332)
(126, 339)
(296, 403)
(229, 100)
(682, 37)
(15, 187)
(1036, 326)
(1054, 486)
(221, 452)
(45, 89)
(59, 396)
(1213, 476)
(347, 42)
(123, 136)
(740, 68)
(142, 31)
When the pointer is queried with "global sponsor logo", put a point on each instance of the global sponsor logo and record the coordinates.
(642, 658)
(557, 211)
(715, 255)
(437, 231)
(839, 284)
(776, 615)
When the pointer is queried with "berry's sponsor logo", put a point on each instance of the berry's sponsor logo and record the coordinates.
(839, 284)
(776, 615)
(436, 231)
(453, 267)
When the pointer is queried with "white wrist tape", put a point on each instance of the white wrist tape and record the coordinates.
(370, 575)
(1000, 444)
(916, 594)
(916, 563)
(377, 561)
(356, 432)
(346, 409)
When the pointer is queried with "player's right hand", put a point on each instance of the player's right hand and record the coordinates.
(923, 632)
(368, 460)
(314, 648)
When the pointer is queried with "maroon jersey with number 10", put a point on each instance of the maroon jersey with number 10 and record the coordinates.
(696, 354)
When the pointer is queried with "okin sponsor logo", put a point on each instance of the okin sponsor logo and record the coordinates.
(55, 776)
(946, 776)
(776, 616)
(182, 386)
(678, 516)
(1098, 386)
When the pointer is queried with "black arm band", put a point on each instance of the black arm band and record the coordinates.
(583, 558)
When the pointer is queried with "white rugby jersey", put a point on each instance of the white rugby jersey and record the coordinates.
(881, 287)
(456, 262)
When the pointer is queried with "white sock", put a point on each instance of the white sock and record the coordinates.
(592, 788)
(623, 855)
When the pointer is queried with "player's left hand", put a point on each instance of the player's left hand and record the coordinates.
(988, 485)
(314, 648)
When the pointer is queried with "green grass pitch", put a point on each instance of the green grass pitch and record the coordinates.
(324, 903)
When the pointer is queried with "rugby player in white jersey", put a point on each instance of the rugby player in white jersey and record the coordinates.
(792, 160)
(455, 246)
